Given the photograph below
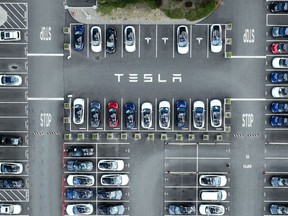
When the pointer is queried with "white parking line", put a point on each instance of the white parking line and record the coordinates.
(276, 129)
(104, 120)
(99, 143)
(155, 114)
(104, 45)
(139, 114)
(197, 158)
(207, 111)
(87, 39)
(15, 194)
(139, 43)
(187, 187)
(13, 117)
(173, 44)
(121, 114)
(13, 58)
(276, 158)
(122, 42)
(190, 41)
(156, 41)
(87, 111)
(173, 106)
(207, 48)
(190, 114)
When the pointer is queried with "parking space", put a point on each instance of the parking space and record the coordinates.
(17, 14)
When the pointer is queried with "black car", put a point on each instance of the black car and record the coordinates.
(80, 151)
(179, 209)
(11, 183)
(130, 115)
(278, 7)
(276, 209)
(111, 209)
(111, 38)
(278, 31)
(109, 194)
(95, 108)
(11, 140)
(79, 166)
(79, 193)
(79, 37)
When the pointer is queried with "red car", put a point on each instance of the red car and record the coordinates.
(113, 117)
(279, 48)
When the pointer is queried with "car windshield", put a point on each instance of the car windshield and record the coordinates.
(130, 118)
(112, 180)
(283, 91)
(9, 168)
(78, 37)
(199, 116)
(283, 31)
(9, 79)
(96, 37)
(146, 116)
(282, 6)
(282, 210)
(216, 115)
(80, 180)
(108, 165)
(213, 210)
(183, 40)
(80, 209)
(216, 37)
(215, 181)
(112, 115)
(110, 40)
(130, 37)
(95, 114)
(283, 182)
(164, 115)
(283, 62)
(78, 111)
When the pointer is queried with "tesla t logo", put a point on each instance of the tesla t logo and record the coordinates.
(248, 36)
(149, 78)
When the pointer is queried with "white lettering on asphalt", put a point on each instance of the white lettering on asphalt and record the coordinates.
(247, 119)
(248, 36)
(148, 78)
(45, 119)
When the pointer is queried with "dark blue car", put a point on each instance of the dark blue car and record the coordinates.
(79, 37)
(95, 108)
(279, 121)
(279, 77)
(279, 107)
(278, 31)
(130, 115)
(181, 109)
(79, 194)
(276, 209)
(79, 166)
(278, 7)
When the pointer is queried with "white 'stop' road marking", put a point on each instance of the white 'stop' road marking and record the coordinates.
(44, 98)
(46, 54)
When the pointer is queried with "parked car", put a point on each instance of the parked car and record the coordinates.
(213, 195)
(279, 48)
(114, 179)
(280, 62)
(216, 113)
(111, 38)
(279, 77)
(109, 194)
(10, 35)
(80, 151)
(79, 166)
(278, 209)
(10, 80)
(279, 107)
(212, 180)
(279, 181)
(216, 38)
(112, 165)
(280, 92)
(113, 116)
(95, 111)
(130, 115)
(79, 31)
(146, 115)
(11, 140)
(181, 110)
(130, 39)
(278, 31)
(78, 111)
(11, 183)
(11, 168)
(79, 193)
(96, 39)
(181, 209)
(279, 121)
(80, 180)
(79, 209)
(10, 209)
(199, 114)
(278, 6)
(182, 39)
(211, 209)
(164, 114)
(110, 209)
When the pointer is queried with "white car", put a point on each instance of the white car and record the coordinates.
(10, 35)
(80, 180)
(216, 113)
(164, 114)
(182, 39)
(130, 39)
(96, 39)
(11, 168)
(212, 180)
(280, 62)
(10, 209)
(216, 38)
(114, 165)
(211, 209)
(146, 115)
(280, 92)
(199, 114)
(114, 179)
(78, 111)
(10, 80)
(213, 195)
(79, 209)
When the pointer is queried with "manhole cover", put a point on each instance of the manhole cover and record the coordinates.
(14, 67)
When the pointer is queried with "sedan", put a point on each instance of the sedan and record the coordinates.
(279, 77)
(146, 115)
(10, 80)
(95, 109)
(78, 111)
(181, 209)
(216, 38)
(111, 38)
(10, 209)
(278, 48)
(79, 209)
(79, 193)
(279, 107)
(79, 166)
(279, 181)
(130, 39)
(213, 195)
(80, 151)
(280, 62)
(199, 114)
(113, 118)
(109, 194)
(130, 115)
(276, 209)
(181, 109)
(112, 165)
(164, 114)
(10, 35)
(114, 179)
(216, 113)
(211, 209)
(11, 183)
(11, 168)
(96, 39)
(182, 39)
(79, 37)
(111, 209)
(279, 121)
(278, 7)
(278, 31)
(212, 180)
(11, 140)
(280, 92)
(80, 180)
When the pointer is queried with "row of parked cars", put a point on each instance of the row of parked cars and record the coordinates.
(276, 208)
(164, 113)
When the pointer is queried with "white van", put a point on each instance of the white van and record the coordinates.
(213, 195)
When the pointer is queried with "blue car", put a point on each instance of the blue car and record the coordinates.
(130, 115)
(79, 37)
(181, 110)
(279, 77)
(79, 194)
(279, 181)
(279, 107)
(279, 121)
(278, 7)
(79, 166)
(278, 31)
(95, 108)
(276, 209)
